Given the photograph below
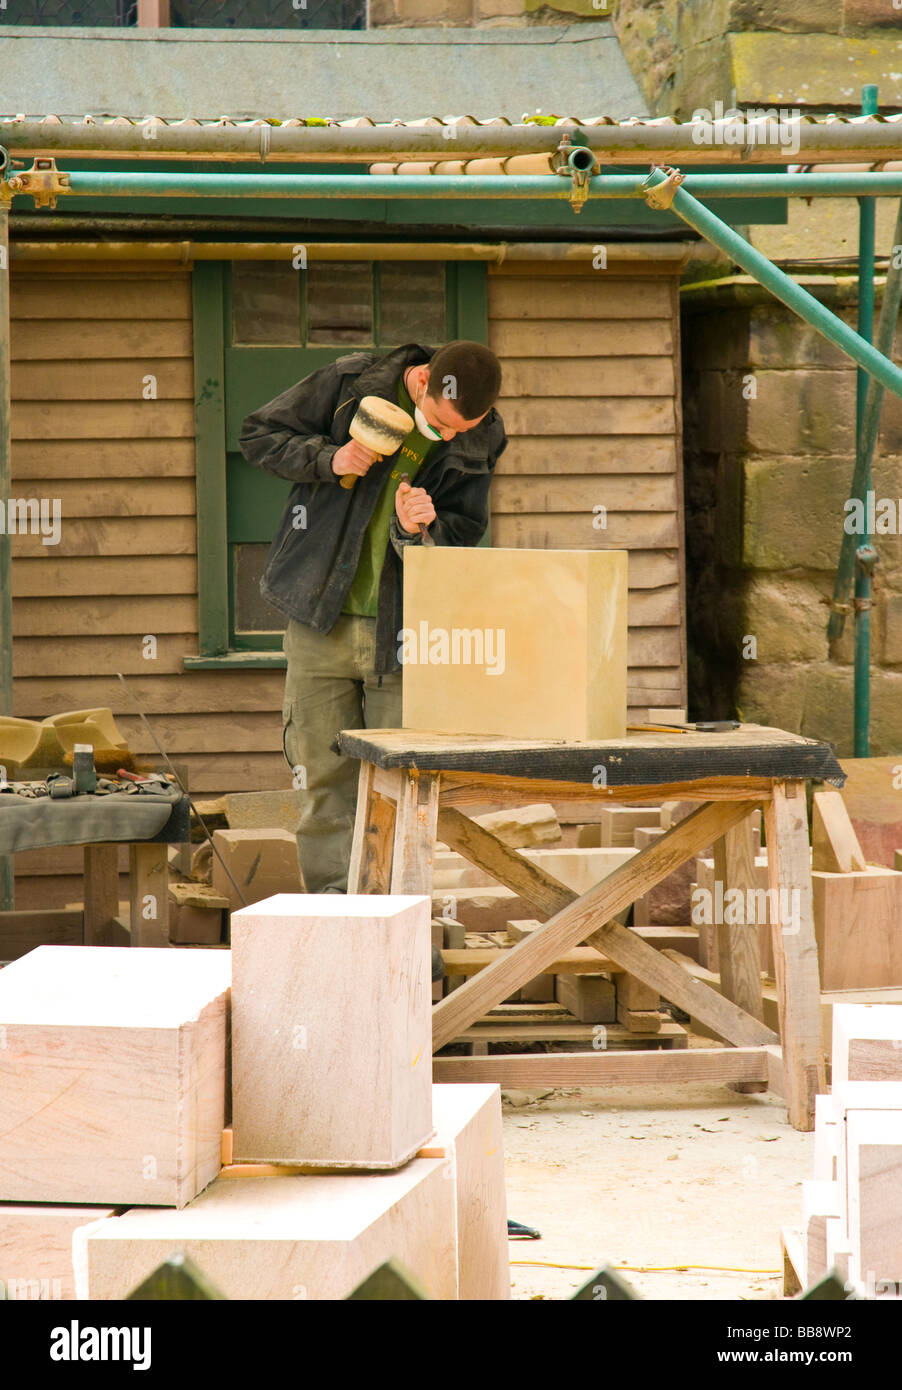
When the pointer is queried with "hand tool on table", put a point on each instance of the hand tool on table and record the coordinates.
(424, 529)
(378, 425)
(182, 789)
(711, 726)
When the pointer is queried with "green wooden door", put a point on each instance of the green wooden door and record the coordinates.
(268, 325)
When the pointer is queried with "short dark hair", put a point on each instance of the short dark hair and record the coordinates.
(468, 374)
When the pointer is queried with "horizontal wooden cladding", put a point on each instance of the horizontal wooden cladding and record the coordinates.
(653, 646)
(101, 297)
(645, 683)
(584, 454)
(158, 419)
(596, 416)
(582, 493)
(85, 656)
(103, 380)
(114, 498)
(208, 693)
(109, 616)
(578, 297)
(139, 535)
(574, 531)
(611, 337)
(108, 458)
(214, 773)
(588, 376)
(105, 574)
(35, 340)
(101, 616)
(249, 732)
(61, 859)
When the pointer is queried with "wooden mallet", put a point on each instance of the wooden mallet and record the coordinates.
(378, 425)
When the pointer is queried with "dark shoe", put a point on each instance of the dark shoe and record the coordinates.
(438, 965)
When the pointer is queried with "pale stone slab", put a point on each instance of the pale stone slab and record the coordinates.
(36, 1249)
(826, 1139)
(112, 1074)
(469, 1132)
(316, 1236)
(867, 1043)
(262, 863)
(820, 1200)
(874, 1149)
(517, 642)
(332, 1030)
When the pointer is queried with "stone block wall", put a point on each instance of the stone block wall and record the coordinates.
(769, 416)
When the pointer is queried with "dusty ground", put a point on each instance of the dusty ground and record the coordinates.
(652, 1176)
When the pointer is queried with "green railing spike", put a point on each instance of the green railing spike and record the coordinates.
(177, 1279)
(390, 1283)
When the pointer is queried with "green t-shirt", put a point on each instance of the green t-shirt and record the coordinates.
(363, 595)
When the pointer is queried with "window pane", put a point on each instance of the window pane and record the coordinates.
(252, 612)
(265, 302)
(340, 302)
(411, 302)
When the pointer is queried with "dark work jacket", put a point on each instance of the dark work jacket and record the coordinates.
(313, 559)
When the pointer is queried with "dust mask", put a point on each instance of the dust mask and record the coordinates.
(423, 424)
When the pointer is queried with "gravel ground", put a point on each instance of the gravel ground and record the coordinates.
(652, 1176)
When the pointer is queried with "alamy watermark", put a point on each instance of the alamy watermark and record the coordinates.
(757, 125)
(750, 906)
(455, 646)
(32, 516)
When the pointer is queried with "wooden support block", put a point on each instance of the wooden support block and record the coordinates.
(21, 932)
(112, 1074)
(538, 991)
(834, 844)
(148, 870)
(101, 892)
(590, 998)
(874, 1189)
(633, 994)
(639, 1021)
(856, 918)
(795, 951)
(820, 1200)
(792, 1248)
(481, 656)
(36, 1249)
(867, 1042)
(311, 1237)
(468, 1125)
(262, 863)
(331, 1029)
(644, 835)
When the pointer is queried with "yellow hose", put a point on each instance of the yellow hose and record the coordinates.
(650, 1269)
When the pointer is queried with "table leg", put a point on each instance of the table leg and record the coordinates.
(795, 950)
(374, 829)
(148, 865)
(101, 892)
(415, 832)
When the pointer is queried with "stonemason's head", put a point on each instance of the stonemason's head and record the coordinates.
(456, 389)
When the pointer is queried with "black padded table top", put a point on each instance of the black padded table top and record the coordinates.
(646, 759)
